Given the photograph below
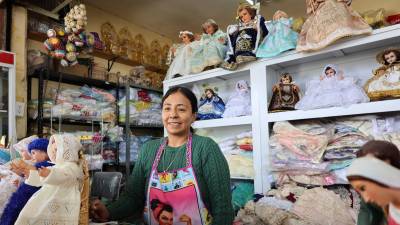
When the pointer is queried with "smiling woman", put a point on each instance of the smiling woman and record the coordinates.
(186, 172)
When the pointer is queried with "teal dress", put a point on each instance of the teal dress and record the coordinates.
(209, 52)
(280, 38)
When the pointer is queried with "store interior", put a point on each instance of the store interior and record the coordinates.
(290, 92)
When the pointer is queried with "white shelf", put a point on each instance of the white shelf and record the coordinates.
(356, 109)
(380, 37)
(224, 122)
(242, 178)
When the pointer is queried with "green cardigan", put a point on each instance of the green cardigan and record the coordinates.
(211, 169)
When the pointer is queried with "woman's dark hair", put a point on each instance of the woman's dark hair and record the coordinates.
(382, 150)
(165, 207)
(187, 93)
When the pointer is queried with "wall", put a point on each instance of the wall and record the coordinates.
(18, 46)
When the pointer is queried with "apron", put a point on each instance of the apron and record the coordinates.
(173, 197)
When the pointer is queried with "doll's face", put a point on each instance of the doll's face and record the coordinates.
(330, 72)
(209, 28)
(244, 16)
(185, 39)
(209, 94)
(390, 57)
(242, 86)
(372, 192)
(39, 156)
(285, 80)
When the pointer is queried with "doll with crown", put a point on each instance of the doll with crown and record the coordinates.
(385, 82)
(244, 37)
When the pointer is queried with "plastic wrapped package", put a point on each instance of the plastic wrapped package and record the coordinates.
(240, 166)
(136, 143)
(33, 108)
(95, 162)
(7, 188)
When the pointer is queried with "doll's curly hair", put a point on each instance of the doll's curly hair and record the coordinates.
(286, 75)
(251, 10)
(381, 56)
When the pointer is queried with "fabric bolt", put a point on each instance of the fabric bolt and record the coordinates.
(280, 38)
(209, 165)
(323, 207)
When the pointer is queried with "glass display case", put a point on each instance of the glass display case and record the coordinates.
(7, 99)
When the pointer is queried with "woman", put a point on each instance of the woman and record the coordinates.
(380, 185)
(201, 190)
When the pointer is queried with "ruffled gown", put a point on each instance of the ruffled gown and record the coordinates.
(280, 38)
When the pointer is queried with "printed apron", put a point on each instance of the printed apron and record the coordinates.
(173, 197)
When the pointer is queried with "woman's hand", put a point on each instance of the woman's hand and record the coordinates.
(98, 211)
(21, 168)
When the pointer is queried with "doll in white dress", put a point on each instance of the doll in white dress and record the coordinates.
(332, 90)
(59, 199)
(386, 80)
(180, 55)
(239, 103)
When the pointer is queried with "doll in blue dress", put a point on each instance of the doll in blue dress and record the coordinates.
(38, 151)
(280, 38)
(211, 48)
(244, 37)
(211, 106)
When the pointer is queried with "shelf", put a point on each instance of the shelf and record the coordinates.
(379, 38)
(224, 122)
(66, 121)
(77, 80)
(122, 124)
(356, 109)
(242, 178)
(37, 36)
(145, 88)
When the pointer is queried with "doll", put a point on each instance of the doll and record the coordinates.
(386, 80)
(280, 36)
(211, 105)
(37, 149)
(239, 103)
(328, 21)
(181, 56)
(59, 199)
(332, 90)
(244, 37)
(54, 44)
(211, 50)
(285, 94)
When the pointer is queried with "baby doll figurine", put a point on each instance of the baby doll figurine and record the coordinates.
(59, 199)
(386, 80)
(181, 55)
(211, 50)
(280, 36)
(328, 21)
(239, 103)
(244, 38)
(285, 94)
(332, 90)
(211, 106)
(37, 150)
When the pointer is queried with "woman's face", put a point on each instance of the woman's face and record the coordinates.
(244, 16)
(177, 115)
(209, 28)
(372, 192)
(330, 72)
(166, 218)
(390, 57)
(185, 39)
